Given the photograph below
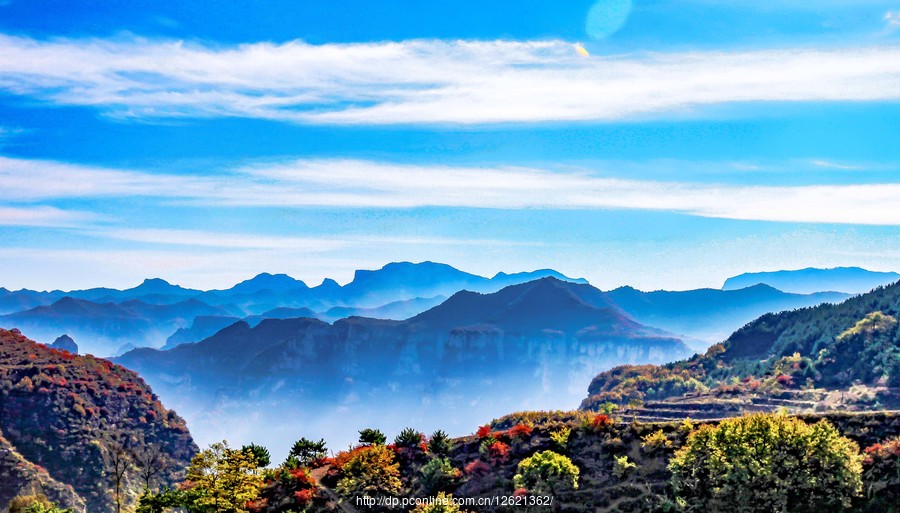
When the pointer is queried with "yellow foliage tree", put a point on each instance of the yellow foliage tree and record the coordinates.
(222, 480)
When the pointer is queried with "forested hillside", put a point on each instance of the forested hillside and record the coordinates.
(827, 347)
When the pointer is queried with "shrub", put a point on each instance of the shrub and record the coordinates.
(304, 497)
(483, 432)
(477, 468)
(520, 431)
(560, 437)
(498, 452)
(372, 472)
(656, 440)
(767, 462)
(622, 466)
(601, 421)
(546, 472)
(22, 503)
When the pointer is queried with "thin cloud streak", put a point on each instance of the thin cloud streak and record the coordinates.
(366, 184)
(43, 216)
(426, 81)
(240, 241)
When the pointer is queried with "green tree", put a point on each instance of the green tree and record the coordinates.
(438, 475)
(371, 472)
(263, 458)
(547, 472)
(440, 443)
(767, 463)
(408, 438)
(306, 451)
(221, 479)
(165, 500)
(370, 436)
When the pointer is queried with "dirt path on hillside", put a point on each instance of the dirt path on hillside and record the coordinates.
(342, 505)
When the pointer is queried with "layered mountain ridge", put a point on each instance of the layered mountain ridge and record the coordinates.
(158, 314)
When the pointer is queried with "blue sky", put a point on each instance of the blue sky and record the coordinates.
(206, 142)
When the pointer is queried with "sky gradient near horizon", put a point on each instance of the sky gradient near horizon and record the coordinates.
(205, 143)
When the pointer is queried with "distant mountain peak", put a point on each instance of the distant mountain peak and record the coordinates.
(534, 275)
(850, 280)
(268, 281)
(157, 286)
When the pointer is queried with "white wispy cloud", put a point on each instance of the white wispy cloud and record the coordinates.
(43, 216)
(367, 184)
(835, 165)
(426, 81)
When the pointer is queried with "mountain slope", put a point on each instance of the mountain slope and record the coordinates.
(826, 347)
(850, 280)
(19, 476)
(67, 413)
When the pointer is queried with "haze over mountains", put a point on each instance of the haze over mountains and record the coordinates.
(408, 342)
(475, 356)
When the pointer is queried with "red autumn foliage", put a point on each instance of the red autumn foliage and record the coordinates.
(301, 476)
(258, 504)
(785, 380)
(321, 462)
(304, 497)
(601, 421)
(477, 468)
(483, 432)
(520, 431)
(341, 458)
(498, 453)
(520, 492)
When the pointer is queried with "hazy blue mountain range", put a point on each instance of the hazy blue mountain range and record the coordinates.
(96, 318)
(167, 315)
(850, 280)
(531, 345)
